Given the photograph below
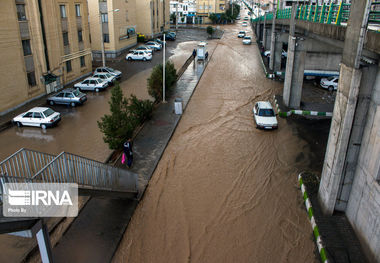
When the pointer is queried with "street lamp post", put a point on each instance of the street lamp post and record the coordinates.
(163, 71)
(101, 33)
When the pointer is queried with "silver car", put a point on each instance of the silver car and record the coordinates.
(111, 79)
(70, 97)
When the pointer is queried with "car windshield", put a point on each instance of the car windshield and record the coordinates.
(48, 112)
(110, 69)
(330, 78)
(241, 32)
(99, 80)
(247, 37)
(76, 93)
(108, 75)
(266, 113)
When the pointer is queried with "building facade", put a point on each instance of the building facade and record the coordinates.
(185, 11)
(46, 45)
(153, 17)
(116, 19)
(207, 7)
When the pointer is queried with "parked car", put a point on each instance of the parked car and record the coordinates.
(244, 24)
(330, 83)
(159, 41)
(142, 48)
(247, 40)
(70, 97)
(154, 45)
(105, 76)
(93, 84)
(241, 34)
(38, 117)
(109, 70)
(170, 36)
(284, 54)
(139, 55)
(264, 115)
(246, 17)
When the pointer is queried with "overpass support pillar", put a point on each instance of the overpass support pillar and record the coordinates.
(277, 55)
(345, 108)
(295, 66)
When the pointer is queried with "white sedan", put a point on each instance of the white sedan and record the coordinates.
(264, 115)
(241, 34)
(142, 48)
(93, 84)
(247, 40)
(330, 83)
(139, 55)
(38, 117)
(105, 76)
(244, 24)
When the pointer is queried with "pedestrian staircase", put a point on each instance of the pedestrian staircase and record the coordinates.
(92, 177)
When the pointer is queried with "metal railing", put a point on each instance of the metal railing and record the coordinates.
(32, 166)
(325, 14)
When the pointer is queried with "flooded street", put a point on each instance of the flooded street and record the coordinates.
(78, 132)
(223, 190)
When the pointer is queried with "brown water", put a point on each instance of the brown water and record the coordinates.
(223, 190)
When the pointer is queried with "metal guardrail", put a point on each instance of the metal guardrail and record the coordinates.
(325, 14)
(32, 166)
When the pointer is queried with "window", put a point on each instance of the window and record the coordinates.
(106, 38)
(68, 66)
(69, 95)
(26, 47)
(31, 79)
(62, 9)
(65, 38)
(28, 115)
(80, 36)
(82, 61)
(77, 9)
(104, 18)
(60, 95)
(37, 115)
(21, 12)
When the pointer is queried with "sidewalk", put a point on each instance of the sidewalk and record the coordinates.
(336, 234)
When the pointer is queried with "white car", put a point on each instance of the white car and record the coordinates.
(93, 84)
(330, 83)
(38, 117)
(154, 45)
(142, 48)
(109, 70)
(247, 40)
(284, 54)
(264, 115)
(139, 55)
(241, 34)
(244, 24)
(105, 76)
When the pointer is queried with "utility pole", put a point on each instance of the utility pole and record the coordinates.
(163, 70)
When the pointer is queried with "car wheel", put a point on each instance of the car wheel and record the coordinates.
(144, 59)
(97, 90)
(43, 126)
(330, 88)
(19, 124)
(51, 103)
(72, 104)
(129, 58)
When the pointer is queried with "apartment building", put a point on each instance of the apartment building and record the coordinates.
(44, 45)
(153, 17)
(207, 7)
(184, 10)
(114, 21)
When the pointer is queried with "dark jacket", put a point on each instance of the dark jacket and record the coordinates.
(128, 149)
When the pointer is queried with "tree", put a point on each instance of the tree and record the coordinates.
(120, 124)
(213, 17)
(173, 17)
(155, 80)
(210, 30)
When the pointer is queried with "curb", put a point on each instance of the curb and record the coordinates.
(309, 209)
(300, 112)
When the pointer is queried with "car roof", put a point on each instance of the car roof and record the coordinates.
(264, 105)
(39, 109)
(101, 73)
(91, 78)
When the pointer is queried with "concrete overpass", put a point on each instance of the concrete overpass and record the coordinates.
(321, 37)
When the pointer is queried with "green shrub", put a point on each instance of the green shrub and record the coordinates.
(210, 30)
(141, 110)
(155, 80)
(120, 124)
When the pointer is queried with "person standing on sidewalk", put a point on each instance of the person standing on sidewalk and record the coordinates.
(128, 152)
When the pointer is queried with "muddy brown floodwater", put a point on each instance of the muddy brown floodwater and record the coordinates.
(223, 190)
